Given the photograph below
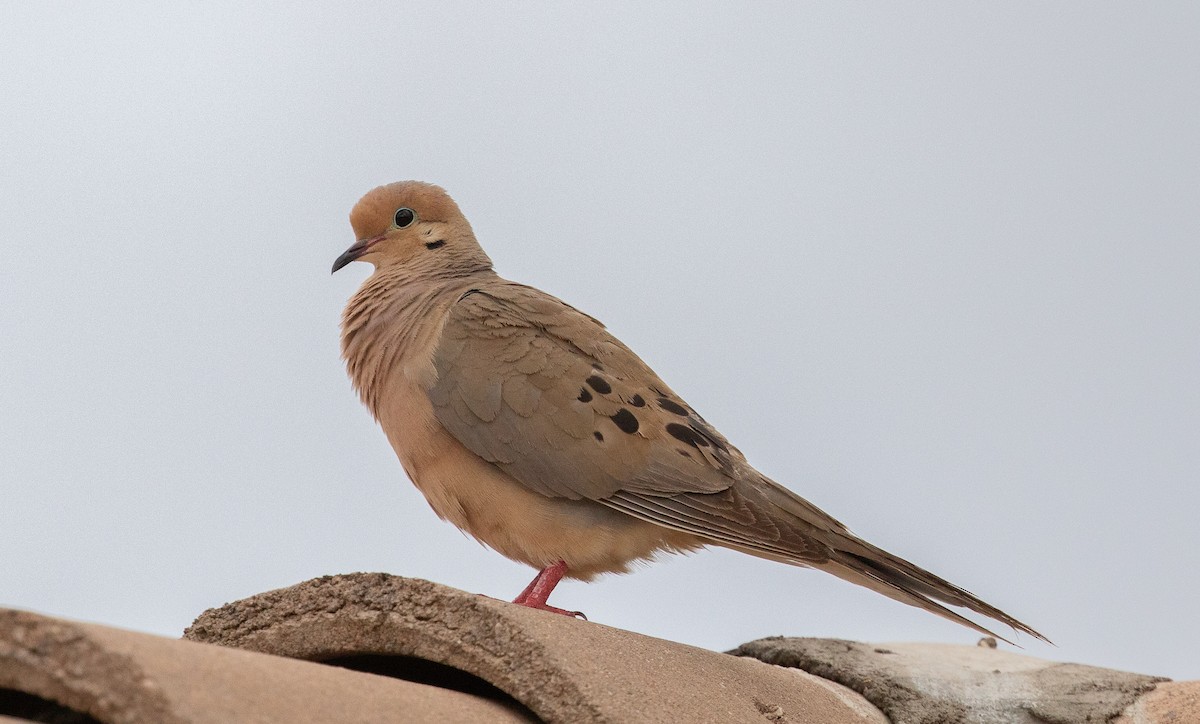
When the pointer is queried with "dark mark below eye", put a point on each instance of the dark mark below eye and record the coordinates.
(625, 420)
(683, 433)
(436, 244)
(599, 384)
(599, 436)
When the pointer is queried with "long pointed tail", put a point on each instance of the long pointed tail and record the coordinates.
(855, 560)
(902, 581)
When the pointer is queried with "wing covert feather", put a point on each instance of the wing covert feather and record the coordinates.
(542, 390)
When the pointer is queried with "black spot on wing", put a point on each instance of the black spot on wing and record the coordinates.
(672, 406)
(599, 384)
(584, 395)
(637, 401)
(683, 433)
(625, 421)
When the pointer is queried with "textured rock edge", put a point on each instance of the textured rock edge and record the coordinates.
(900, 680)
(562, 669)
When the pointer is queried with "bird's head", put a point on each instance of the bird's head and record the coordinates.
(414, 225)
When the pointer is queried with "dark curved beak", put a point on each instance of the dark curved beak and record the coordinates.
(356, 250)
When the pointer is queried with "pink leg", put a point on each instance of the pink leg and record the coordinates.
(538, 590)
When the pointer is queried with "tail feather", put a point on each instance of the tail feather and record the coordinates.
(872, 580)
(853, 559)
(902, 581)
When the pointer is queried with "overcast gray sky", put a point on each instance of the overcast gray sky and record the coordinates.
(934, 266)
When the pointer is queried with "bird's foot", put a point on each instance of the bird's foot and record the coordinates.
(535, 594)
(552, 609)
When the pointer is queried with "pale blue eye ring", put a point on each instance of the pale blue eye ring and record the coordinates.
(404, 217)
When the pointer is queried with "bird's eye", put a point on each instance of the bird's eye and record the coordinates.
(405, 217)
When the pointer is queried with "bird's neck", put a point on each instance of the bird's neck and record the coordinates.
(391, 326)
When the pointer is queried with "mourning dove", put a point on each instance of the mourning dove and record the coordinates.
(525, 423)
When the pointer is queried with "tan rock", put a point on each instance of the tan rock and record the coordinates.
(405, 650)
(133, 678)
(1173, 702)
(563, 669)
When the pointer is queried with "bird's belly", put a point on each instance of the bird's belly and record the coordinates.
(499, 512)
